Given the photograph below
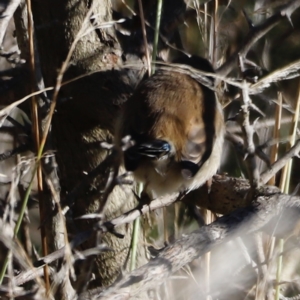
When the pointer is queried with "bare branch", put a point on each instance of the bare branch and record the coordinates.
(190, 247)
(226, 195)
(287, 72)
(135, 213)
(280, 163)
(256, 33)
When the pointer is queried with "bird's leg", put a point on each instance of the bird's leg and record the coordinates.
(143, 199)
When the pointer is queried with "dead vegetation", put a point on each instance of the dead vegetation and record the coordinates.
(64, 76)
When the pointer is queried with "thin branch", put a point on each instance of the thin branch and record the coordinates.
(256, 33)
(280, 163)
(32, 273)
(136, 212)
(185, 250)
(247, 129)
(144, 32)
(231, 190)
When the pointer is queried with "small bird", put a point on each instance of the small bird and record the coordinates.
(177, 128)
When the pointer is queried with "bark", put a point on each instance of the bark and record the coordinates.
(85, 113)
(276, 214)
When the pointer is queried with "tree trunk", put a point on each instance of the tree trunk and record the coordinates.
(86, 113)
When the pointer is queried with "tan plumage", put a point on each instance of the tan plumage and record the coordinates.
(177, 125)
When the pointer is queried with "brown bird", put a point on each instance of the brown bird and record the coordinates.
(177, 128)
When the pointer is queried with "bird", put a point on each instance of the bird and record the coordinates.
(176, 126)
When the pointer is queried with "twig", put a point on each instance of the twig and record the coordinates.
(234, 188)
(156, 34)
(32, 273)
(36, 133)
(280, 163)
(276, 134)
(136, 212)
(248, 130)
(144, 32)
(190, 247)
(256, 33)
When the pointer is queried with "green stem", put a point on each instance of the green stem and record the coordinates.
(19, 221)
(22, 212)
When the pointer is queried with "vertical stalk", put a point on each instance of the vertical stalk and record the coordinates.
(285, 185)
(156, 34)
(145, 36)
(36, 131)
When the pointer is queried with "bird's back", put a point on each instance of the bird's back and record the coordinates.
(170, 109)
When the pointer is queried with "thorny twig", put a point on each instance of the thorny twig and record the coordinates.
(256, 33)
(248, 131)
